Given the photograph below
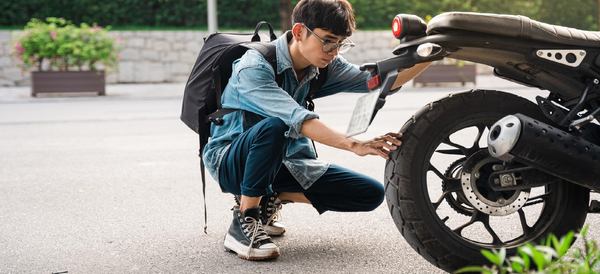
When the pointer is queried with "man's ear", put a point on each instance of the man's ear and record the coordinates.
(297, 31)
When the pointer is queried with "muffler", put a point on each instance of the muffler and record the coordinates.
(526, 140)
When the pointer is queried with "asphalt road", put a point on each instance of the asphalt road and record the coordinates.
(111, 184)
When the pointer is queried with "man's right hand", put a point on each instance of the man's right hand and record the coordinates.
(380, 146)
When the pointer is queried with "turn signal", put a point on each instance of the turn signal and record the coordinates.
(374, 82)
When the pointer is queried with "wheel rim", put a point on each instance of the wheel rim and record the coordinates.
(531, 210)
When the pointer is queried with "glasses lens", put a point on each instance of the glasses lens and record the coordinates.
(345, 48)
(329, 47)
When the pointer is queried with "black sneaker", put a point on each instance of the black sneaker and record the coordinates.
(247, 238)
(270, 214)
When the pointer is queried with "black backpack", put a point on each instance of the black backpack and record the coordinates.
(210, 75)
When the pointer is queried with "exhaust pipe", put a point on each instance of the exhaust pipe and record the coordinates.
(552, 150)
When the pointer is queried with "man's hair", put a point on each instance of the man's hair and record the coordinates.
(335, 16)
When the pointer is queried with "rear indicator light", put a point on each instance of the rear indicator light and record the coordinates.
(374, 82)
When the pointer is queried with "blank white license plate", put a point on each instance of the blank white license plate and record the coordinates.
(363, 111)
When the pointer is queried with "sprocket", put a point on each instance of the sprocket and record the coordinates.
(459, 202)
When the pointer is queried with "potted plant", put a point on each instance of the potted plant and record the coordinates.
(65, 57)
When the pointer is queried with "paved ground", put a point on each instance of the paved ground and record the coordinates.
(111, 184)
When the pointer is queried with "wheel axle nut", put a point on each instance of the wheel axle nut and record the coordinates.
(506, 180)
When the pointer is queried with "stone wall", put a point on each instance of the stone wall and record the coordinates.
(168, 56)
(10, 74)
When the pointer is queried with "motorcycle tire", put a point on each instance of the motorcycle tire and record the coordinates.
(406, 180)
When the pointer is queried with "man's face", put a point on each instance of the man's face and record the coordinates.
(311, 45)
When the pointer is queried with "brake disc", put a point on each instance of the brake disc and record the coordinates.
(475, 186)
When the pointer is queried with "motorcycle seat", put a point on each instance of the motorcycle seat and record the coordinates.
(513, 26)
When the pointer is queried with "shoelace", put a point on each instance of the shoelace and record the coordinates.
(253, 229)
(274, 212)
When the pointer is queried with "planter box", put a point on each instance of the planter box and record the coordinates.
(67, 81)
(447, 74)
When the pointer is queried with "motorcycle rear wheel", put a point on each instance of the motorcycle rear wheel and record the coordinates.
(410, 185)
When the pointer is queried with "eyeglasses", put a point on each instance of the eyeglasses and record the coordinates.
(329, 46)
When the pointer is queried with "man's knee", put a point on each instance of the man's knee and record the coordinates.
(374, 197)
(273, 128)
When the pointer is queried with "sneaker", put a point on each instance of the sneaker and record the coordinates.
(270, 214)
(247, 237)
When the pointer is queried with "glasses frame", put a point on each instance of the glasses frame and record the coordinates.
(343, 46)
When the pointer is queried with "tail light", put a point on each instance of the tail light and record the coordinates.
(397, 26)
(407, 27)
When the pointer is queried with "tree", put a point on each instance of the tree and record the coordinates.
(285, 12)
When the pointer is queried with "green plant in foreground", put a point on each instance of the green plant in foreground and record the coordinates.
(549, 257)
(57, 44)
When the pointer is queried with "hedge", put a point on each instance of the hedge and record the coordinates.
(245, 13)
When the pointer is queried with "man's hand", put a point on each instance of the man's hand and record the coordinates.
(381, 145)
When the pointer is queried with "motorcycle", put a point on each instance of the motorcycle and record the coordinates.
(530, 166)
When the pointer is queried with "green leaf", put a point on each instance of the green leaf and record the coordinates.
(517, 264)
(584, 231)
(479, 269)
(502, 255)
(526, 262)
(493, 257)
(549, 240)
(538, 258)
(549, 251)
(583, 269)
(565, 243)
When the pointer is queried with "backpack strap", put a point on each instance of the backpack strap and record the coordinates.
(315, 85)
(269, 51)
(256, 37)
(203, 141)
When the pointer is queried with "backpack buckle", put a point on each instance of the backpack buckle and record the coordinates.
(216, 120)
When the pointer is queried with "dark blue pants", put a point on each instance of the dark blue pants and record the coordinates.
(252, 167)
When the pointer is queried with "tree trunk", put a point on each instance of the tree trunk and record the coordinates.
(285, 12)
(598, 13)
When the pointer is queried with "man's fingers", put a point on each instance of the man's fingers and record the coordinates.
(394, 135)
(384, 144)
(392, 140)
(379, 151)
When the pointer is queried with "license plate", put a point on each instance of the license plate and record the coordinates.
(363, 111)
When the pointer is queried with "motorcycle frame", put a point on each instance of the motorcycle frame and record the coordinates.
(575, 91)
(512, 59)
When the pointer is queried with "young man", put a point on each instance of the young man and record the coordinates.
(263, 152)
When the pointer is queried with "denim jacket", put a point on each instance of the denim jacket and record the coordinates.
(252, 87)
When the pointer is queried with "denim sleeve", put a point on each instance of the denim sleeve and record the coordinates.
(258, 92)
(343, 76)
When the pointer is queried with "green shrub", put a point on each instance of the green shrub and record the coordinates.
(57, 44)
(245, 13)
(550, 257)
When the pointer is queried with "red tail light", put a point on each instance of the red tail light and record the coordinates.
(374, 82)
(408, 27)
(397, 26)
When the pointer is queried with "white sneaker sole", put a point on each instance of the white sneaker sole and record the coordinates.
(242, 250)
(273, 230)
